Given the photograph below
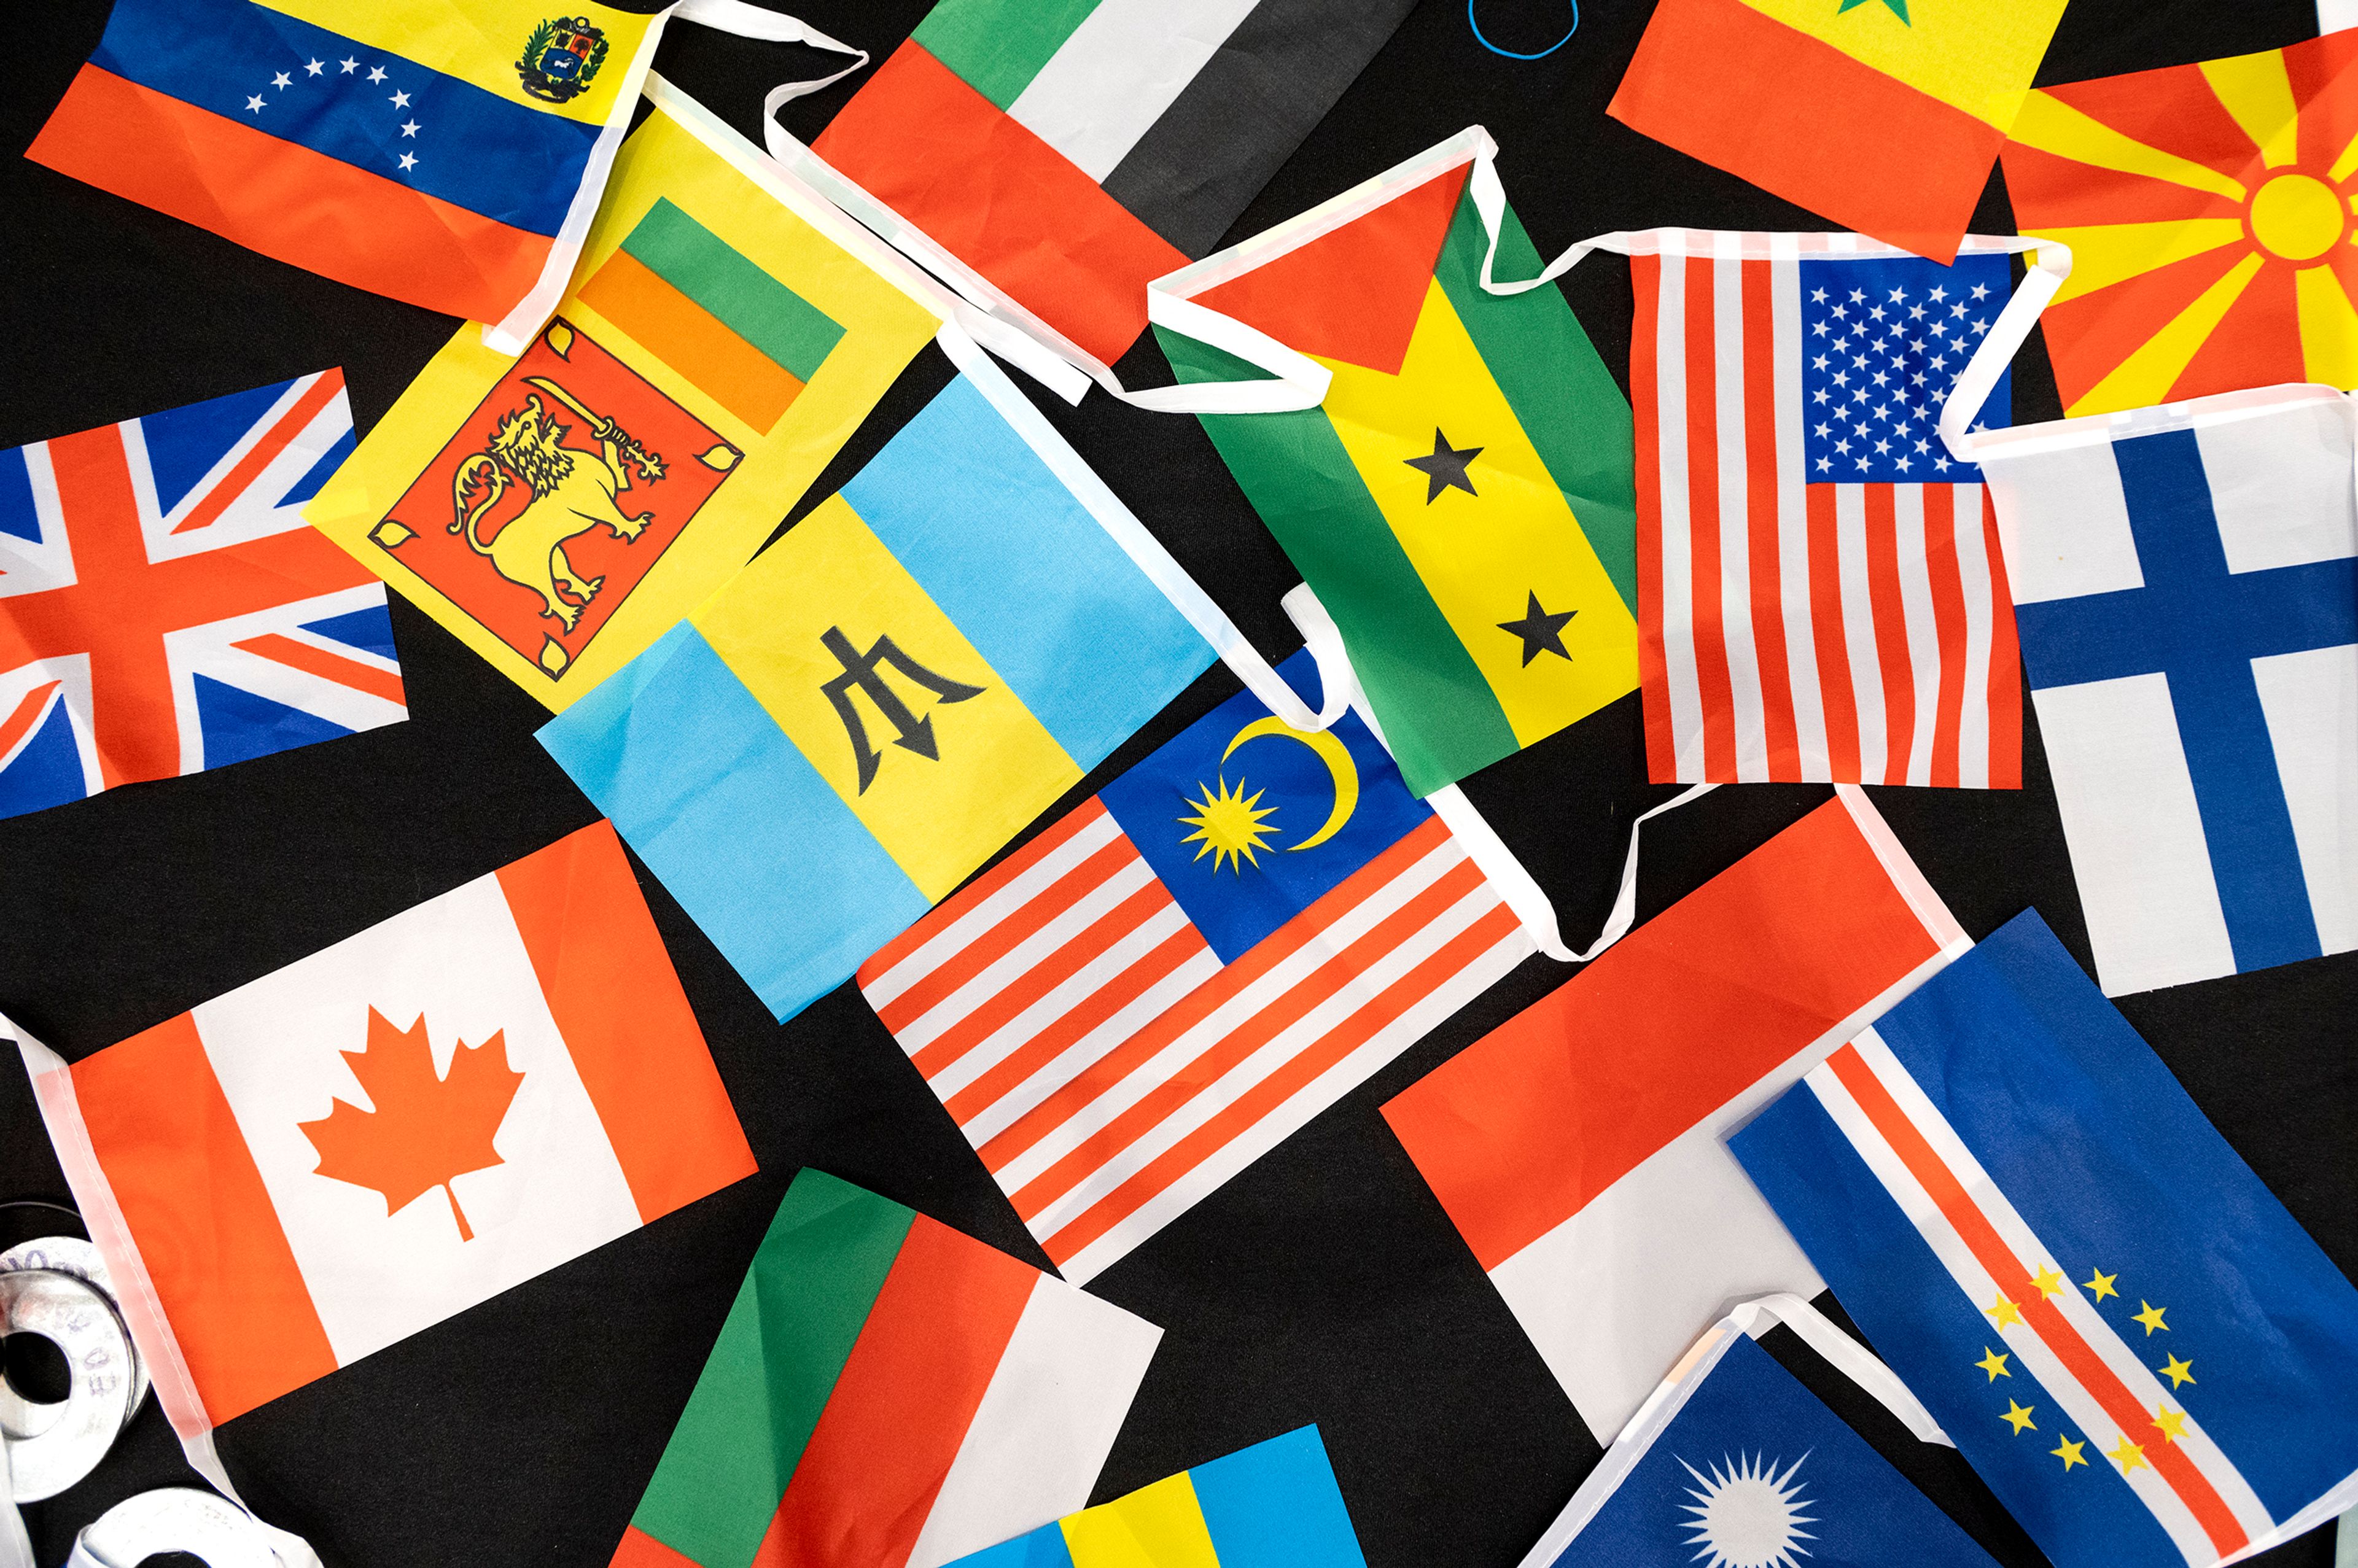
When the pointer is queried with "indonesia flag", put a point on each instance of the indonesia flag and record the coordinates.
(1576, 1147)
(351, 1149)
(1821, 595)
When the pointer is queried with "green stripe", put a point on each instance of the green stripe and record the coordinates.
(788, 1334)
(997, 46)
(1568, 401)
(1435, 709)
(751, 303)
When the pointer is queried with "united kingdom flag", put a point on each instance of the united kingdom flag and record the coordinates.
(164, 608)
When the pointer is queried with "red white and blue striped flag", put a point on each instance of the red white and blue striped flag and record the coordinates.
(164, 608)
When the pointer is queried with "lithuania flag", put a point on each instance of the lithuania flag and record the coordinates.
(1464, 500)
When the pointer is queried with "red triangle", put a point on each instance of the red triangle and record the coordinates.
(1352, 295)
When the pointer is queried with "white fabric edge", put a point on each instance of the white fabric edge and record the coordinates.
(16, 1546)
(1914, 887)
(1146, 552)
(2051, 265)
(2188, 414)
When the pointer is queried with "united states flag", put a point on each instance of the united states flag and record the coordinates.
(1125, 1014)
(1820, 590)
(164, 608)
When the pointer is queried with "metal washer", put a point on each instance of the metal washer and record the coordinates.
(71, 1314)
(20, 1417)
(175, 1519)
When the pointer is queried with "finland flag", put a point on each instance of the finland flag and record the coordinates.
(2187, 599)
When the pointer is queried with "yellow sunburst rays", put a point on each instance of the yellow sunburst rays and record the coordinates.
(1229, 825)
(2292, 217)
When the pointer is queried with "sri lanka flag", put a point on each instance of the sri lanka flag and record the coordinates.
(1464, 501)
(426, 149)
(2143, 1353)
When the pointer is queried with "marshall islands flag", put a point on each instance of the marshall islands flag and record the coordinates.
(424, 149)
(2143, 1353)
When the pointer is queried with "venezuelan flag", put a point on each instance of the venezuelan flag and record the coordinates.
(424, 149)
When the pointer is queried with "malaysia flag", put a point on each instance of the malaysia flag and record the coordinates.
(163, 607)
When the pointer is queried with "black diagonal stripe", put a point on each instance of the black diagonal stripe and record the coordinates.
(1202, 164)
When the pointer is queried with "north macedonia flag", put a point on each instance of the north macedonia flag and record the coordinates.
(2209, 209)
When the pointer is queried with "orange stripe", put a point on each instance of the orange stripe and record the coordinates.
(1291, 1077)
(1199, 1004)
(640, 1550)
(311, 661)
(20, 722)
(996, 941)
(2039, 1314)
(1051, 838)
(692, 341)
(1889, 611)
(1249, 1035)
(1949, 625)
(1053, 969)
(1835, 691)
(201, 1218)
(1645, 394)
(1713, 684)
(901, 1404)
(1766, 522)
(1101, 1004)
(274, 441)
(2006, 664)
(242, 183)
(625, 1022)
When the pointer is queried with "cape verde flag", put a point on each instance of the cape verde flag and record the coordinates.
(2142, 1353)
(163, 607)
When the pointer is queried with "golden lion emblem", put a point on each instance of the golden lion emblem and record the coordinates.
(573, 490)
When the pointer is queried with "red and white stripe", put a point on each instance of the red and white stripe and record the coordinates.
(1107, 1066)
(1853, 634)
(2193, 1490)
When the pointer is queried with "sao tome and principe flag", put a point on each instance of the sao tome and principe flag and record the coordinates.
(1188, 967)
(348, 1150)
(2122, 1329)
(725, 334)
(1883, 115)
(886, 1393)
(885, 696)
(163, 610)
(2208, 209)
(1072, 151)
(1577, 1146)
(1463, 502)
(1273, 1504)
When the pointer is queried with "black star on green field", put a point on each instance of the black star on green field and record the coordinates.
(1446, 468)
(1541, 632)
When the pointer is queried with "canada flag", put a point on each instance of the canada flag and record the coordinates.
(360, 1144)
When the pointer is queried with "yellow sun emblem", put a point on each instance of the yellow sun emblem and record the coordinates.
(1228, 825)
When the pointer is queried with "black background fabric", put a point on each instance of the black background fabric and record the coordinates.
(1324, 1285)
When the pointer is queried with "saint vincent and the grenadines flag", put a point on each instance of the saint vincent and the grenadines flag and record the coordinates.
(887, 1394)
(885, 698)
(426, 149)
(724, 335)
(1463, 502)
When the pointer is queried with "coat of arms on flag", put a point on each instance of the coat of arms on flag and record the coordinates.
(886, 1392)
(164, 608)
(325, 1161)
(2143, 1355)
(2186, 588)
(1462, 501)
(725, 332)
(2208, 209)
(1577, 1146)
(1820, 592)
(1184, 970)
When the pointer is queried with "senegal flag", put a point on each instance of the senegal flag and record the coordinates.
(1464, 500)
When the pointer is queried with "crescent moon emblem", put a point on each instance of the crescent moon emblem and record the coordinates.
(1327, 749)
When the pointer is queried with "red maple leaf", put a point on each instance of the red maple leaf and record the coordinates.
(425, 1130)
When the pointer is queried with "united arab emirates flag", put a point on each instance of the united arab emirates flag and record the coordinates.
(1464, 500)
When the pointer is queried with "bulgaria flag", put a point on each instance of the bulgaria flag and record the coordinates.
(886, 1393)
(1577, 1146)
(1071, 151)
(331, 1158)
(1463, 502)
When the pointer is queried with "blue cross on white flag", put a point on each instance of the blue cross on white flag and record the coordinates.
(2187, 598)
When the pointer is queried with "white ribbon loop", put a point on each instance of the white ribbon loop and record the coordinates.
(1844, 1354)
